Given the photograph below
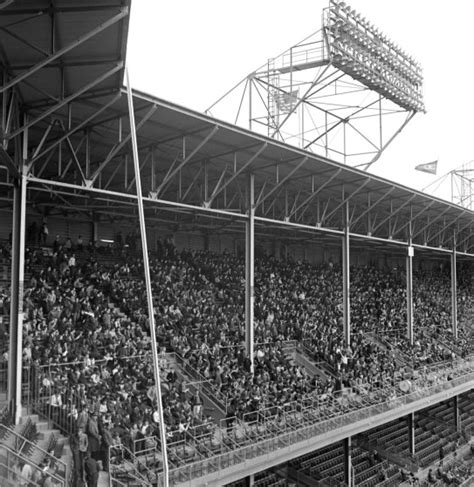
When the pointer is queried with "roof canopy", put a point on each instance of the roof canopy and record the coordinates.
(63, 69)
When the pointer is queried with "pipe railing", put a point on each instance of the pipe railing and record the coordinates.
(260, 432)
(22, 443)
(298, 423)
(130, 465)
(213, 394)
(13, 458)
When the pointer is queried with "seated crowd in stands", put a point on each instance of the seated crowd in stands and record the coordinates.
(88, 312)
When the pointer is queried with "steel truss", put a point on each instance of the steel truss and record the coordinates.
(309, 98)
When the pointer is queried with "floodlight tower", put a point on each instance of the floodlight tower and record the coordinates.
(344, 92)
(462, 185)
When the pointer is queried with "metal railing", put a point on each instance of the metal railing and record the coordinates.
(212, 393)
(25, 447)
(300, 421)
(10, 460)
(124, 467)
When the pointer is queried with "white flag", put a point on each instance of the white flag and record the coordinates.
(429, 167)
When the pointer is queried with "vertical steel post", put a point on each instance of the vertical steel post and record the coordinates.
(457, 414)
(411, 434)
(146, 268)
(346, 301)
(16, 304)
(454, 292)
(249, 273)
(250, 103)
(348, 477)
(409, 273)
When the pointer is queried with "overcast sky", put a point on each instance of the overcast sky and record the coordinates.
(191, 52)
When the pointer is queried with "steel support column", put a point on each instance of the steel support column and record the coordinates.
(409, 272)
(348, 477)
(249, 272)
(454, 292)
(411, 433)
(16, 304)
(346, 301)
(146, 268)
(457, 414)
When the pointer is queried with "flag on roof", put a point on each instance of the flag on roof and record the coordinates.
(429, 167)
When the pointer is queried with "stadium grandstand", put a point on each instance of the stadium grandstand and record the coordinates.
(186, 302)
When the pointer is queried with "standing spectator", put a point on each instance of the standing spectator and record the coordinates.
(26, 474)
(56, 243)
(93, 436)
(83, 449)
(92, 472)
(79, 243)
(44, 232)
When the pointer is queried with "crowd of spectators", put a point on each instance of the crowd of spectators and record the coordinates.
(86, 324)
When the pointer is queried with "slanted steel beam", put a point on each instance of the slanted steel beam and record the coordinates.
(413, 218)
(67, 100)
(118, 146)
(371, 207)
(9, 163)
(142, 165)
(236, 174)
(434, 220)
(114, 172)
(123, 13)
(347, 198)
(75, 129)
(393, 213)
(186, 159)
(193, 182)
(433, 237)
(149, 293)
(282, 182)
(314, 193)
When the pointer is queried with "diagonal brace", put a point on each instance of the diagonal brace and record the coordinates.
(347, 198)
(413, 218)
(75, 129)
(68, 99)
(280, 184)
(114, 151)
(393, 213)
(314, 194)
(186, 160)
(434, 220)
(8, 162)
(371, 207)
(123, 13)
(236, 174)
